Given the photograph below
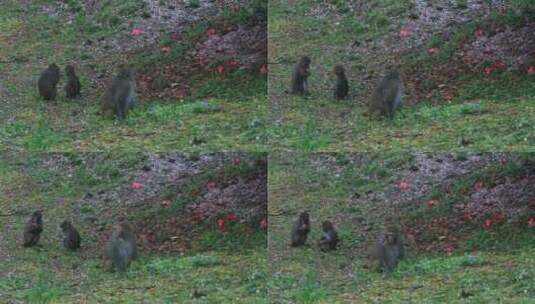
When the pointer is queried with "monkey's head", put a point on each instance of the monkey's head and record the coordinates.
(124, 227)
(69, 70)
(305, 62)
(126, 73)
(327, 226)
(37, 214)
(53, 67)
(339, 70)
(65, 225)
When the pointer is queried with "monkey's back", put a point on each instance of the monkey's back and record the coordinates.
(32, 234)
(342, 88)
(47, 83)
(73, 240)
(73, 86)
(298, 85)
(387, 97)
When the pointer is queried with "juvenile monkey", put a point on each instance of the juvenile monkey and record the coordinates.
(329, 240)
(389, 250)
(387, 97)
(300, 75)
(72, 237)
(301, 230)
(341, 89)
(48, 81)
(121, 95)
(33, 229)
(121, 248)
(72, 88)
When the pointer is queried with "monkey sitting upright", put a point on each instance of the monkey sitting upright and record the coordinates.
(72, 88)
(121, 95)
(121, 248)
(389, 250)
(33, 229)
(299, 77)
(72, 237)
(48, 80)
(341, 89)
(300, 230)
(329, 239)
(387, 97)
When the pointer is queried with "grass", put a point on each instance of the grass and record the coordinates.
(504, 121)
(217, 268)
(488, 267)
(32, 39)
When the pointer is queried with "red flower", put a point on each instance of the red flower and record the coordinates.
(231, 217)
(432, 51)
(499, 216)
(221, 225)
(263, 69)
(263, 223)
(137, 32)
(403, 33)
(165, 49)
(220, 70)
(479, 33)
(531, 222)
(487, 71)
(136, 185)
(403, 185)
(237, 161)
(478, 185)
(488, 223)
(531, 70)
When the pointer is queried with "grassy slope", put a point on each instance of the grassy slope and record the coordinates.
(306, 275)
(318, 123)
(31, 39)
(222, 270)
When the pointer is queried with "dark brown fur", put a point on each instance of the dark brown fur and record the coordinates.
(72, 88)
(33, 229)
(300, 76)
(72, 238)
(341, 89)
(300, 230)
(329, 240)
(48, 81)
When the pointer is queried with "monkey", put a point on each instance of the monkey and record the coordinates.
(389, 250)
(33, 229)
(300, 75)
(121, 248)
(48, 81)
(301, 230)
(387, 97)
(341, 88)
(72, 88)
(121, 95)
(72, 237)
(329, 240)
